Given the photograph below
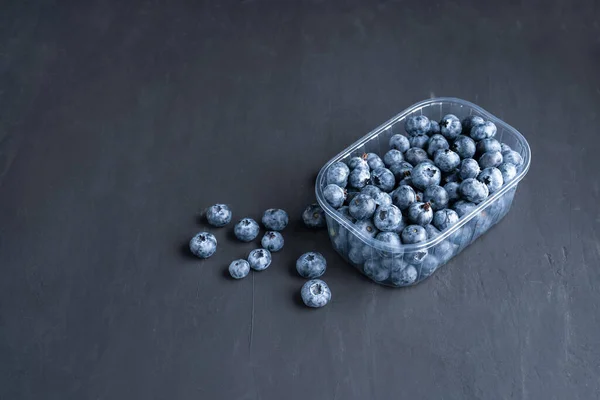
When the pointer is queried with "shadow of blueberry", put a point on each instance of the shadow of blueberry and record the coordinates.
(184, 251)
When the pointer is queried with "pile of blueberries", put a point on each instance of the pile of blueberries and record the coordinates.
(315, 292)
(427, 181)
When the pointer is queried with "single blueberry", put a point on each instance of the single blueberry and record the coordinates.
(239, 269)
(436, 196)
(383, 178)
(450, 126)
(334, 195)
(492, 178)
(275, 219)
(473, 190)
(365, 228)
(488, 144)
(403, 197)
(463, 207)
(490, 159)
(512, 157)
(370, 190)
(311, 265)
(429, 265)
(432, 231)
(464, 146)
(315, 293)
(375, 269)
(382, 199)
(445, 218)
(446, 160)
(434, 128)
(203, 245)
(471, 121)
(419, 141)
(390, 238)
(246, 230)
(483, 131)
(359, 177)
(508, 170)
(337, 174)
(414, 234)
(373, 160)
(259, 259)
(314, 216)
(437, 142)
(417, 125)
(399, 142)
(218, 215)
(272, 241)
(387, 218)
(404, 277)
(504, 147)
(452, 190)
(358, 163)
(393, 157)
(425, 174)
(415, 155)
(420, 213)
(362, 207)
(469, 168)
(401, 170)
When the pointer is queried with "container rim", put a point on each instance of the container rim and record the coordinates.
(378, 244)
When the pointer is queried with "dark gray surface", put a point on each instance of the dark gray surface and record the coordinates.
(119, 123)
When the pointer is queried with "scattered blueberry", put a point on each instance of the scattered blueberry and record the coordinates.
(452, 190)
(272, 241)
(314, 216)
(399, 142)
(424, 175)
(359, 177)
(415, 155)
(337, 174)
(473, 190)
(259, 259)
(436, 196)
(469, 168)
(437, 142)
(417, 125)
(414, 234)
(358, 163)
(276, 219)
(311, 265)
(471, 121)
(512, 157)
(246, 230)
(492, 178)
(362, 207)
(403, 197)
(446, 160)
(508, 170)
(375, 269)
(404, 277)
(490, 159)
(239, 269)
(393, 157)
(218, 215)
(374, 160)
(489, 144)
(450, 126)
(315, 293)
(483, 131)
(334, 195)
(445, 218)
(203, 245)
(383, 178)
(387, 218)
(464, 146)
(401, 170)
(463, 207)
(419, 141)
(420, 213)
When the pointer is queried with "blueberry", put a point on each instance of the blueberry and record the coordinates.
(504, 147)
(272, 241)
(383, 199)
(314, 216)
(218, 215)
(387, 218)
(375, 269)
(359, 177)
(404, 277)
(490, 159)
(315, 293)
(512, 157)
(420, 213)
(492, 178)
(424, 175)
(464, 146)
(417, 125)
(365, 228)
(434, 128)
(471, 121)
(489, 144)
(350, 194)
(432, 231)
(463, 236)
(450, 126)
(203, 245)
(246, 230)
(337, 174)
(383, 178)
(414, 234)
(419, 141)
(463, 207)
(415, 155)
(445, 250)
(469, 168)
(452, 189)
(483, 131)
(437, 142)
(345, 211)
(358, 163)
(473, 190)
(275, 219)
(239, 269)
(334, 195)
(405, 182)
(311, 265)
(401, 170)
(393, 157)
(259, 259)
(362, 207)
(370, 190)
(390, 238)
(445, 218)
(436, 196)
(508, 170)
(374, 160)
(399, 142)
(356, 255)
(446, 160)
(403, 197)
(429, 265)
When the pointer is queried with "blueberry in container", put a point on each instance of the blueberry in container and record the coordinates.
(398, 265)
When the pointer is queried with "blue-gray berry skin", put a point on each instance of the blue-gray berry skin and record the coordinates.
(203, 245)
(445, 250)
(393, 157)
(489, 144)
(445, 218)
(374, 161)
(504, 147)
(337, 174)
(401, 170)
(356, 255)
(463, 207)
(259, 259)
(415, 155)
(471, 121)
(366, 228)
(508, 171)
(432, 231)
(390, 238)
(404, 277)
(463, 236)
(382, 199)
(490, 159)
(483, 131)
(434, 128)
(362, 207)
(419, 141)
(375, 269)
(383, 178)
(446, 160)
(314, 216)
(370, 190)
(403, 197)
(218, 215)
(424, 175)
(359, 177)
(387, 218)
(512, 157)
(358, 163)
(272, 241)
(315, 293)
(334, 195)
(450, 126)
(464, 146)
(452, 189)
(473, 190)
(239, 269)
(246, 230)
(399, 142)
(311, 265)
(405, 182)
(420, 213)
(437, 142)
(413, 234)
(469, 168)
(275, 219)
(492, 178)
(417, 125)
(345, 211)
(429, 265)
(436, 196)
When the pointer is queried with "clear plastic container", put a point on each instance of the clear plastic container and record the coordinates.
(407, 265)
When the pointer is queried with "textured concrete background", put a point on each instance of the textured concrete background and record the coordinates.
(120, 121)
